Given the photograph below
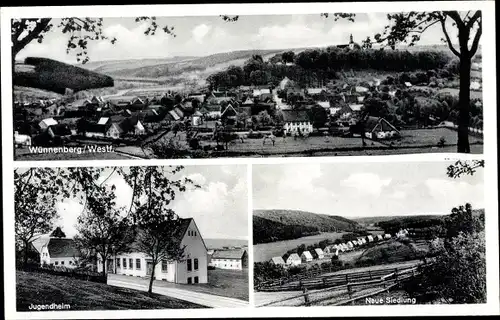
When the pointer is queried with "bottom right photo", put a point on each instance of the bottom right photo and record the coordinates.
(369, 233)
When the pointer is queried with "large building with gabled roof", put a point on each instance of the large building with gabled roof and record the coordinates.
(193, 268)
(230, 259)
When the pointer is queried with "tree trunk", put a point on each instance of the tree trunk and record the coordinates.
(150, 289)
(104, 263)
(25, 257)
(463, 103)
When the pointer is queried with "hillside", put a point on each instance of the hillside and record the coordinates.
(161, 68)
(55, 76)
(321, 222)
(366, 221)
(265, 230)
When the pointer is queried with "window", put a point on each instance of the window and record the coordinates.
(62, 263)
(138, 264)
(196, 280)
(118, 262)
(131, 263)
(164, 266)
(124, 263)
(195, 264)
(195, 233)
(57, 263)
(189, 280)
(189, 265)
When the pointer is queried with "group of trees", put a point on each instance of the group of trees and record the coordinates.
(104, 229)
(265, 230)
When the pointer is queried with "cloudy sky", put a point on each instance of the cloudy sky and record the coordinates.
(199, 36)
(364, 189)
(219, 207)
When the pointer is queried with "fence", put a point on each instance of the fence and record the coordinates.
(299, 282)
(67, 272)
(388, 281)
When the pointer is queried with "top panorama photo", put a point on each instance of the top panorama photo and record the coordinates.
(330, 84)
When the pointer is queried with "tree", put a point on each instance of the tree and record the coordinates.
(460, 168)
(409, 26)
(153, 190)
(35, 195)
(288, 56)
(102, 229)
(58, 233)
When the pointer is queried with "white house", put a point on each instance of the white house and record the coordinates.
(320, 253)
(408, 84)
(369, 238)
(343, 247)
(306, 256)
(350, 245)
(230, 259)
(361, 89)
(379, 237)
(284, 82)
(363, 240)
(193, 268)
(46, 123)
(296, 121)
(21, 139)
(293, 260)
(60, 252)
(387, 236)
(277, 261)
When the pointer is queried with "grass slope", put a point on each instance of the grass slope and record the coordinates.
(37, 288)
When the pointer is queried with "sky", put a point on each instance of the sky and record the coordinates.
(200, 36)
(365, 189)
(219, 207)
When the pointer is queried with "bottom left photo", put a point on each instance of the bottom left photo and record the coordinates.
(138, 237)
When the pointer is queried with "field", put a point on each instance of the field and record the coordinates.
(226, 283)
(430, 137)
(265, 251)
(40, 289)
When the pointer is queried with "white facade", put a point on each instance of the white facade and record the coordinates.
(306, 256)
(46, 123)
(192, 269)
(293, 260)
(320, 253)
(294, 127)
(233, 264)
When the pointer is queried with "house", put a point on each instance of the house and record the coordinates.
(363, 240)
(46, 123)
(211, 111)
(324, 104)
(277, 261)
(60, 252)
(379, 237)
(59, 130)
(369, 238)
(293, 260)
(229, 115)
(475, 85)
(387, 236)
(306, 256)
(408, 84)
(230, 259)
(319, 253)
(198, 96)
(132, 125)
(350, 245)
(379, 128)
(361, 89)
(283, 83)
(197, 118)
(296, 122)
(193, 268)
(21, 139)
(342, 247)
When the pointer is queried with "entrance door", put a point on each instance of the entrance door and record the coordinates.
(109, 266)
(149, 268)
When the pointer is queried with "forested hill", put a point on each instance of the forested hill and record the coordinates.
(275, 225)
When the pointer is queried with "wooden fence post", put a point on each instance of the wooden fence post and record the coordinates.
(370, 273)
(396, 274)
(347, 278)
(349, 290)
(306, 297)
(324, 281)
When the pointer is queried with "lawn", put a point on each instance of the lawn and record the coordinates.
(429, 137)
(227, 283)
(40, 288)
(265, 251)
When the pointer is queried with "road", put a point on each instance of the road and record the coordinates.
(160, 287)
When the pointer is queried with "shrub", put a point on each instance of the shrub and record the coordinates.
(441, 143)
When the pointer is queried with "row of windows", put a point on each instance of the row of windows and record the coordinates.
(62, 263)
(294, 124)
(192, 233)
(131, 263)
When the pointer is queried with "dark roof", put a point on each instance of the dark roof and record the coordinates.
(372, 122)
(295, 116)
(177, 236)
(60, 130)
(94, 127)
(60, 248)
(229, 254)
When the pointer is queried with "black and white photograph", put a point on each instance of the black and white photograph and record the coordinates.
(270, 85)
(125, 238)
(342, 234)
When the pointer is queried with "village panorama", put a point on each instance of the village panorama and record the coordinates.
(126, 238)
(369, 234)
(246, 86)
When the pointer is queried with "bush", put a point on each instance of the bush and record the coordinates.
(441, 143)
